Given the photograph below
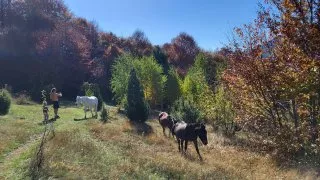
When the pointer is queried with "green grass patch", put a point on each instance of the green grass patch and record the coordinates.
(18, 166)
(18, 127)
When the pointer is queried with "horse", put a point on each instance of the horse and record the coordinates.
(166, 121)
(89, 103)
(185, 132)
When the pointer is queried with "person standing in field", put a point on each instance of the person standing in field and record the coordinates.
(54, 96)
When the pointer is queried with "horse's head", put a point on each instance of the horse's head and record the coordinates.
(202, 133)
(78, 100)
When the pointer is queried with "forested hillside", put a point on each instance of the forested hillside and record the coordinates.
(43, 42)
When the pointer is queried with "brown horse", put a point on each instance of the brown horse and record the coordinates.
(185, 132)
(166, 121)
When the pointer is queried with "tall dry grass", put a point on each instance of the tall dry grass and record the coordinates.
(119, 150)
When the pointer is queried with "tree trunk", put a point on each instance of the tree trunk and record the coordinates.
(277, 116)
(296, 120)
(295, 115)
(313, 118)
(273, 117)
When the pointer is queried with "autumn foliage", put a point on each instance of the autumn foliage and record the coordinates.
(273, 74)
(182, 52)
(43, 42)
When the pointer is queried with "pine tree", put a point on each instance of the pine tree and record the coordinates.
(104, 114)
(173, 91)
(5, 102)
(137, 109)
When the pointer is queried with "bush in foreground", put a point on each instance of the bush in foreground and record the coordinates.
(104, 114)
(5, 102)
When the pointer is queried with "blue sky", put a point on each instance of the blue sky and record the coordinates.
(210, 22)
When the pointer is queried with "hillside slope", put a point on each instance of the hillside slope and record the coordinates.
(88, 149)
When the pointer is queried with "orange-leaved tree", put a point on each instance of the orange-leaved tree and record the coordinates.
(274, 79)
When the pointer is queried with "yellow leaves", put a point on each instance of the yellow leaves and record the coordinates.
(303, 112)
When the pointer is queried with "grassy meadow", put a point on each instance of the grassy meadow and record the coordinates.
(88, 149)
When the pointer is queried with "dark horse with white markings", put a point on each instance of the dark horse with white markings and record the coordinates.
(185, 132)
(166, 121)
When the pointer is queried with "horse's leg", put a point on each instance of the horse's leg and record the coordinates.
(178, 144)
(91, 112)
(196, 145)
(97, 111)
(54, 134)
(181, 144)
(185, 145)
(172, 132)
(169, 132)
(164, 131)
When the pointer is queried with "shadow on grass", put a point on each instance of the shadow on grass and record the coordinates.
(81, 119)
(141, 128)
(105, 122)
(84, 119)
(255, 144)
(192, 158)
(48, 121)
